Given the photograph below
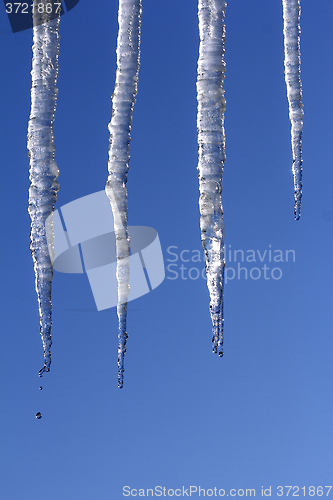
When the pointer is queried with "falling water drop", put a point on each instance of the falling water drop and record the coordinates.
(38, 415)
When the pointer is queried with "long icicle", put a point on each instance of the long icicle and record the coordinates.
(211, 152)
(292, 65)
(123, 100)
(43, 169)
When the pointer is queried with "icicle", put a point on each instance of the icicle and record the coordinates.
(292, 65)
(123, 100)
(211, 151)
(43, 169)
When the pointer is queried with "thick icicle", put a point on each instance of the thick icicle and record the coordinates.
(43, 168)
(292, 65)
(211, 151)
(123, 100)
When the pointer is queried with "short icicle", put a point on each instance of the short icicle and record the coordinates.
(292, 65)
(211, 152)
(123, 100)
(43, 168)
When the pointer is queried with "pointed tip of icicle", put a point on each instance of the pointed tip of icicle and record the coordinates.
(218, 326)
(217, 342)
(121, 355)
(121, 370)
(217, 349)
(45, 369)
(297, 207)
(298, 201)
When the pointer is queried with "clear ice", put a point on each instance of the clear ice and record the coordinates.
(211, 152)
(43, 169)
(292, 65)
(123, 100)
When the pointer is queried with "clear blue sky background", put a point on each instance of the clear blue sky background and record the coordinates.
(260, 416)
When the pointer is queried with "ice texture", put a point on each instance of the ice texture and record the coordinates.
(292, 65)
(211, 152)
(123, 100)
(43, 168)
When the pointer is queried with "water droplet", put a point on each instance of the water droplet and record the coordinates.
(39, 415)
(40, 387)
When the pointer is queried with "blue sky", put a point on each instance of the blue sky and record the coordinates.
(262, 415)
